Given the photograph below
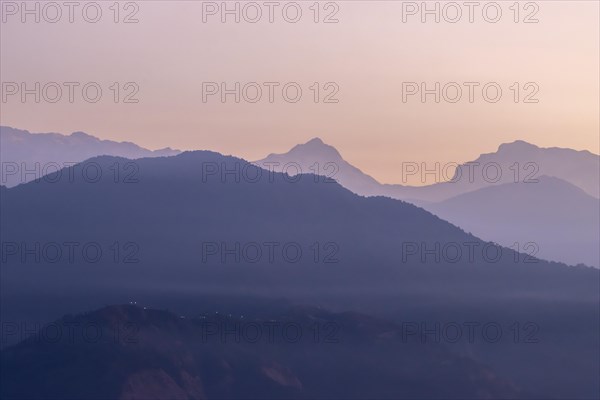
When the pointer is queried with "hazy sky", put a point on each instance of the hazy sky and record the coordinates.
(367, 54)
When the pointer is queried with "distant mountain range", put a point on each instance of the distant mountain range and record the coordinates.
(556, 221)
(517, 162)
(28, 152)
(553, 203)
(190, 198)
(178, 204)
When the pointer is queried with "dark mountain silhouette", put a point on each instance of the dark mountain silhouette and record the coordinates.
(354, 256)
(561, 220)
(157, 354)
(195, 197)
(175, 205)
(31, 151)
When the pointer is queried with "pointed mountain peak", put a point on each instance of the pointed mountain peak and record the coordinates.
(316, 147)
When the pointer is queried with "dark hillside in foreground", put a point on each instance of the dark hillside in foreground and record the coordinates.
(157, 354)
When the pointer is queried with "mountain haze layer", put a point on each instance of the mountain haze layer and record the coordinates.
(545, 199)
(554, 219)
(201, 223)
